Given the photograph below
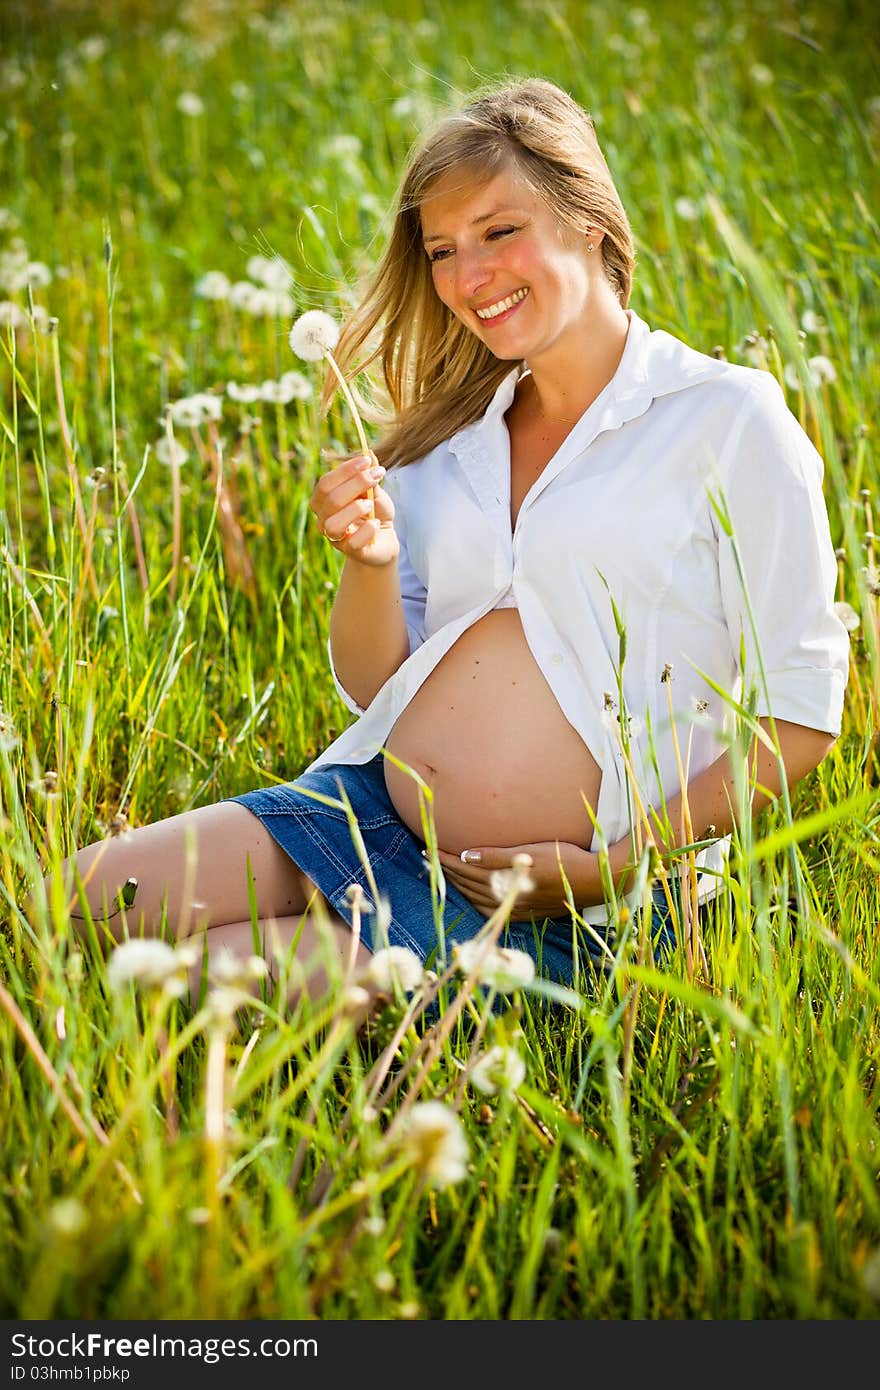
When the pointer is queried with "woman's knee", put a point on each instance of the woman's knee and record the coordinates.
(192, 871)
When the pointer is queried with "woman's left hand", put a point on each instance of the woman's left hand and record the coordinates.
(546, 898)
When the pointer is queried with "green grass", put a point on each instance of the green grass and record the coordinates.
(681, 1147)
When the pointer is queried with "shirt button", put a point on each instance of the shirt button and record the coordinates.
(557, 659)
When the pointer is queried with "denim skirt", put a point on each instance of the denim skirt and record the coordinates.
(318, 837)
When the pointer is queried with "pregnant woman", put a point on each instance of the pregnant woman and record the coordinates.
(552, 469)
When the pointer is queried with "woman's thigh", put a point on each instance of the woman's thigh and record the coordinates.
(196, 865)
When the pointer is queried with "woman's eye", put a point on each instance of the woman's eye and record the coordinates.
(501, 231)
(438, 255)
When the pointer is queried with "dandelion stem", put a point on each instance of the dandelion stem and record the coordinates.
(362, 438)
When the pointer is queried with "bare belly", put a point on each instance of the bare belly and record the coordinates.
(485, 732)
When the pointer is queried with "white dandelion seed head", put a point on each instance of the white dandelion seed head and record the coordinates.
(190, 104)
(342, 146)
(269, 304)
(847, 615)
(355, 1000)
(276, 392)
(822, 370)
(791, 376)
(229, 970)
(434, 1142)
(245, 394)
(395, 967)
(150, 964)
(68, 1217)
(213, 285)
(9, 739)
(241, 293)
(92, 48)
(761, 75)
(812, 322)
(686, 209)
(500, 967)
(192, 411)
(12, 316)
(299, 386)
(223, 1003)
(38, 275)
(239, 91)
(314, 334)
(170, 452)
(498, 1069)
(515, 879)
(271, 272)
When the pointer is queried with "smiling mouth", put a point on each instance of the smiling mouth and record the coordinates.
(494, 310)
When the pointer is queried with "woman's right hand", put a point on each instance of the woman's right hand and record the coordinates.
(340, 503)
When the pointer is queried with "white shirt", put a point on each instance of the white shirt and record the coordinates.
(623, 511)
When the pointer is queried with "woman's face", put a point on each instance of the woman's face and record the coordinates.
(504, 265)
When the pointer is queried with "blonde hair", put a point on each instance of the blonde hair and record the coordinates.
(438, 375)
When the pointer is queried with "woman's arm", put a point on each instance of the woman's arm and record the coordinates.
(711, 800)
(711, 795)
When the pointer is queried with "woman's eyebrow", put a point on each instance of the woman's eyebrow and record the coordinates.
(485, 217)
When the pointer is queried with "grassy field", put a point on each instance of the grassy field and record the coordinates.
(696, 1143)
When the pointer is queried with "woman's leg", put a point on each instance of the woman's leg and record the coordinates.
(318, 956)
(196, 865)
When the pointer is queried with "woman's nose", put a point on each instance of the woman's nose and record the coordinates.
(473, 271)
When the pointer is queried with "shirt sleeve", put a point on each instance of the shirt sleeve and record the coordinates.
(412, 591)
(771, 486)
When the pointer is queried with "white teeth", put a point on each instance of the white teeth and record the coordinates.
(501, 306)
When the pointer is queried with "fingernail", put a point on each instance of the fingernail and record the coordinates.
(470, 856)
(424, 853)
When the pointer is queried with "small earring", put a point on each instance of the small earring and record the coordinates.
(590, 246)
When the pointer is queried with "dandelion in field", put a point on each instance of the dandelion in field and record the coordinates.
(812, 323)
(67, 1217)
(150, 965)
(241, 293)
(271, 272)
(170, 452)
(754, 348)
(822, 370)
(244, 394)
(190, 104)
(761, 75)
(314, 335)
(213, 285)
(686, 209)
(300, 387)
(342, 146)
(8, 220)
(504, 881)
(847, 615)
(432, 1138)
(394, 967)
(872, 580)
(12, 316)
(498, 1069)
(240, 91)
(93, 48)
(269, 304)
(500, 967)
(9, 739)
(191, 411)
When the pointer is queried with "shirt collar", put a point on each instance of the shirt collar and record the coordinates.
(653, 364)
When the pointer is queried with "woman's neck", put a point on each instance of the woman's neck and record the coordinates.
(560, 392)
